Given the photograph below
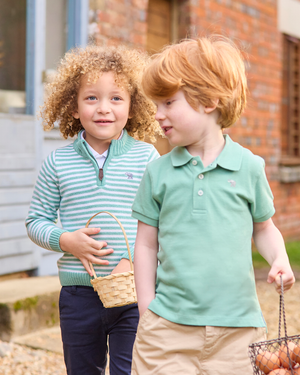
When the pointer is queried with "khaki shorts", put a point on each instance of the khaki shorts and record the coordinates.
(164, 348)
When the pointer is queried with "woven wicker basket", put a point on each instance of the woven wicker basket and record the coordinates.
(279, 356)
(117, 289)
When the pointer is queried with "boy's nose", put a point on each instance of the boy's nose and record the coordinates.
(103, 108)
(159, 116)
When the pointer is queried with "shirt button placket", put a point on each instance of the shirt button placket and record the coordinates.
(198, 204)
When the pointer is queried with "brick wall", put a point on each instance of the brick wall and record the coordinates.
(253, 25)
(119, 21)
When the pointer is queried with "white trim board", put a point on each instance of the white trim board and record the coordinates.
(288, 17)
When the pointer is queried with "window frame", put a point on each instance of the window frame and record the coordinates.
(291, 101)
(77, 21)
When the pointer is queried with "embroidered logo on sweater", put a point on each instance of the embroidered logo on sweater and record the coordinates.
(129, 176)
(232, 183)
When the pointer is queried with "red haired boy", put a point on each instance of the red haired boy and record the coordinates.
(199, 206)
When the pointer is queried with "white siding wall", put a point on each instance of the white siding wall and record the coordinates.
(19, 164)
(17, 176)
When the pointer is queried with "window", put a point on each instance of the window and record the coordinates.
(12, 55)
(56, 32)
(291, 101)
(162, 30)
(159, 25)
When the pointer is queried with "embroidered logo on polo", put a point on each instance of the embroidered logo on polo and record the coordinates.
(232, 183)
(129, 176)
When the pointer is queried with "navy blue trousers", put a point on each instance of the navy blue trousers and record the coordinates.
(86, 324)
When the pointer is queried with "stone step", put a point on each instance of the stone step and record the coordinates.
(45, 339)
(28, 305)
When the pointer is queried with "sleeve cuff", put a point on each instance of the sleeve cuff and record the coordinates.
(145, 219)
(265, 217)
(54, 239)
(126, 256)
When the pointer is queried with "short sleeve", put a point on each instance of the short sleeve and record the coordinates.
(262, 206)
(145, 208)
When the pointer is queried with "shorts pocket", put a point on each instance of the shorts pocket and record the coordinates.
(144, 316)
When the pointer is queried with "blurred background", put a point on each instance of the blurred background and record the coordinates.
(35, 34)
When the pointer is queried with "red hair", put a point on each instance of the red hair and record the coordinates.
(206, 69)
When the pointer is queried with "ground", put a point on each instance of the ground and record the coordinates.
(21, 360)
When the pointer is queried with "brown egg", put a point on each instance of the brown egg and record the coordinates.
(297, 353)
(284, 360)
(280, 371)
(267, 361)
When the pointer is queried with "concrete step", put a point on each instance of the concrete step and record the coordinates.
(28, 305)
(45, 339)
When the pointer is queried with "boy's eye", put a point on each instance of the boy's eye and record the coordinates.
(91, 97)
(116, 98)
(168, 102)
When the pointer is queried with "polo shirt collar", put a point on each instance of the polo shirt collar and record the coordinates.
(230, 158)
(180, 156)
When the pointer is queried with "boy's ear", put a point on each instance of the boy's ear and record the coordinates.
(75, 115)
(210, 109)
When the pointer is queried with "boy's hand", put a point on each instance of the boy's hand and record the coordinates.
(288, 278)
(85, 248)
(122, 266)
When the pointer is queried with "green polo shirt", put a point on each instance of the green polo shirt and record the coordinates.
(205, 219)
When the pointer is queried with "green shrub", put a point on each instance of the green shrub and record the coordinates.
(293, 250)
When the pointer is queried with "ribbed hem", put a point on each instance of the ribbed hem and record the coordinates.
(74, 278)
(126, 256)
(54, 239)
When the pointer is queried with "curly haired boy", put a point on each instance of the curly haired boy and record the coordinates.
(97, 96)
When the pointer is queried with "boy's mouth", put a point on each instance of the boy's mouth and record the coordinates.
(103, 121)
(166, 129)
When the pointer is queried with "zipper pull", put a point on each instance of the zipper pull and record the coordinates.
(101, 174)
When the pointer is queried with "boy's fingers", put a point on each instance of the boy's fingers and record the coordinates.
(100, 261)
(287, 281)
(90, 231)
(101, 253)
(93, 260)
(272, 275)
(278, 283)
(98, 245)
(86, 265)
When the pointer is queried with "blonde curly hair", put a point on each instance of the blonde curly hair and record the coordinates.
(126, 64)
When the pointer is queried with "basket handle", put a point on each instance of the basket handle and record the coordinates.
(124, 233)
(282, 313)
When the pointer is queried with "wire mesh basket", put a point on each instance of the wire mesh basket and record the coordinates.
(279, 356)
(117, 289)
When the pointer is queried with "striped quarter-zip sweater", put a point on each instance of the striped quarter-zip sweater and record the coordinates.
(70, 181)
